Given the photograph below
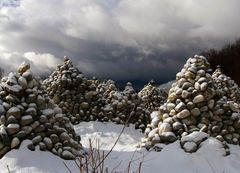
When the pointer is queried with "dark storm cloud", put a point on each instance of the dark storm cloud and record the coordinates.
(119, 39)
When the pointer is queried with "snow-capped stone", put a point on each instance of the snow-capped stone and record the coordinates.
(153, 133)
(165, 127)
(190, 147)
(13, 128)
(196, 137)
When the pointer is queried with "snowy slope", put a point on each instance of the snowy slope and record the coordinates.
(172, 159)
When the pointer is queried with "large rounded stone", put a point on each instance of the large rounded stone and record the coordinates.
(47, 141)
(195, 112)
(67, 155)
(177, 126)
(180, 107)
(198, 99)
(14, 111)
(84, 105)
(172, 97)
(190, 147)
(15, 142)
(23, 67)
(12, 128)
(36, 140)
(165, 127)
(152, 133)
(26, 120)
(22, 82)
(183, 114)
(168, 137)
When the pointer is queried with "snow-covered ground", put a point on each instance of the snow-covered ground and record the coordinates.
(172, 159)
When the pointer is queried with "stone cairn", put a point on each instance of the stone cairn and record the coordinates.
(124, 106)
(75, 94)
(82, 99)
(109, 94)
(226, 86)
(26, 112)
(152, 96)
(194, 110)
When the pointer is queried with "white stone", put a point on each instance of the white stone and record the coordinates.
(196, 137)
(190, 147)
(165, 127)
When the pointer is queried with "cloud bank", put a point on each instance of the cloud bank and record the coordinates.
(119, 39)
(41, 63)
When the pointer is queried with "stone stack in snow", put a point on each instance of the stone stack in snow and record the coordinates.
(82, 99)
(226, 86)
(108, 92)
(194, 106)
(74, 93)
(26, 112)
(152, 96)
(124, 106)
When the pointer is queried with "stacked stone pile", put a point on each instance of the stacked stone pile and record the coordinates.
(194, 106)
(74, 93)
(152, 96)
(82, 99)
(136, 111)
(124, 106)
(109, 95)
(26, 112)
(107, 88)
(226, 86)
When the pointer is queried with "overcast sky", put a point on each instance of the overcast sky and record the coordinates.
(119, 39)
